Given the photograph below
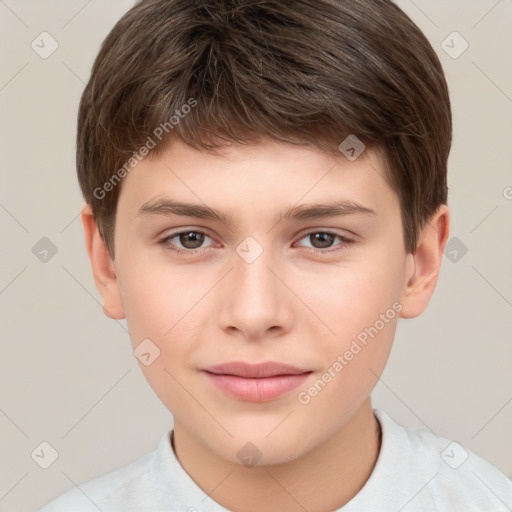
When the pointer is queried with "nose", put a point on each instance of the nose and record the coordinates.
(255, 302)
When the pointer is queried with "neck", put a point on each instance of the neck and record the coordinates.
(336, 469)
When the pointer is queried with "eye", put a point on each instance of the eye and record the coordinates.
(190, 240)
(325, 239)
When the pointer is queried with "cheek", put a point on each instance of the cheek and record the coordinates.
(162, 313)
(158, 299)
(353, 298)
(165, 314)
(360, 305)
(354, 361)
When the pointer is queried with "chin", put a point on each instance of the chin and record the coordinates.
(253, 449)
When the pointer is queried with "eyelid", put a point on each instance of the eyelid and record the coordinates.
(164, 240)
(345, 240)
(332, 231)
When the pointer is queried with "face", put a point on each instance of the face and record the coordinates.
(302, 298)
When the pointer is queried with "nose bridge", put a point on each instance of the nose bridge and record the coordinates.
(255, 300)
(254, 284)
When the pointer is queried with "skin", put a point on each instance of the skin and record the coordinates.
(291, 305)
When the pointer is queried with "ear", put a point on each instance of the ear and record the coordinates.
(103, 267)
(426, 264)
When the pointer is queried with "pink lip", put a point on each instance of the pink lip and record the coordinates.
(256, 382)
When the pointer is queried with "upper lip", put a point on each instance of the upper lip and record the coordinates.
(259, 370)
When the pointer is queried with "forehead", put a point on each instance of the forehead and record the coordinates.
(270, 176)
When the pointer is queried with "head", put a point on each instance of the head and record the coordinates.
(254, 111)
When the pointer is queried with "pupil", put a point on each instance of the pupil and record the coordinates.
(192, 239)
(324, 239)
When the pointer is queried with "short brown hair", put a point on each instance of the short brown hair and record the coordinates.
(308, 72)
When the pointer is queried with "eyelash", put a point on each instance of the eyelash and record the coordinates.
(166, 242)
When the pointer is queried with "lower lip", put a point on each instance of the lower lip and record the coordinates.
(257, 390)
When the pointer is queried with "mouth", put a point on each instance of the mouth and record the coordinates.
(256, 382)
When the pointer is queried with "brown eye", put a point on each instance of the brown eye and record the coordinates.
(184, 242)
(321, 240)
(191, 239)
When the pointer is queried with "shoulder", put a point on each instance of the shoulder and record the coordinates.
(441, 474)
(115, 490)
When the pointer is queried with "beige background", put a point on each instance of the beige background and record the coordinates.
(68, 375)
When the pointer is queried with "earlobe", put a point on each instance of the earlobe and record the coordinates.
(103, 268)
(425, 265)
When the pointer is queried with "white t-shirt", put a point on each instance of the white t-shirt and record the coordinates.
(415, 471)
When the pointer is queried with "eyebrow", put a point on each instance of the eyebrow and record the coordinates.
(300, 212)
